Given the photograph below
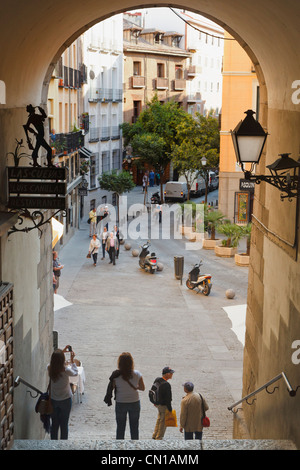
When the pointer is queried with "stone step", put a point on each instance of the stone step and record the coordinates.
(151, 445)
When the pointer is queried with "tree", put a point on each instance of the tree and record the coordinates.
(196, 138)
(118, 183)
(153, 134)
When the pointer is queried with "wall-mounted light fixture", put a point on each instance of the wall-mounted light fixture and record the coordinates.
(248, 140)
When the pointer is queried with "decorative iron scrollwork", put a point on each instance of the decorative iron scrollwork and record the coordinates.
(37, 217)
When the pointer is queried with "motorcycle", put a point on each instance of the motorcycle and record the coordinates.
(201, 281)
(155, 198)
(147, 261)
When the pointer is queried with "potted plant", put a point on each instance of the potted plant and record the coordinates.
(212, 219)
(242, 259)
(228, 248)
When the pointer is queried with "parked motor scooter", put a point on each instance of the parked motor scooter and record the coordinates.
(155, 198)
(147, 261)
(201, 281)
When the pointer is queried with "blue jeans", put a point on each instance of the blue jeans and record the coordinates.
(60, 418)
(133, 410)
(188, 435)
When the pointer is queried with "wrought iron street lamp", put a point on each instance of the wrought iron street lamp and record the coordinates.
(248, 140)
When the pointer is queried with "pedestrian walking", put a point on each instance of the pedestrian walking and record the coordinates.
(104, 236)
(111, 247)
(93, 221)
(60, 391)
(126, 382)
(145, 181)
(106, 216)
(193, 407)
(165, 402)
(57, 267)
(93, 248)
(151, 178)
(117, 236)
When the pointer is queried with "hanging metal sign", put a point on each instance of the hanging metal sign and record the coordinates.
(26, 192)
(34, 186)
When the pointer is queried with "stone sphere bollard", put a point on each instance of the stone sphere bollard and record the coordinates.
(160, 266)
(230, 293)
(127, 246)
(135, 252)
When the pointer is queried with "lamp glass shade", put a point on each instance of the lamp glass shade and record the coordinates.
(250, 148)
(248, 139)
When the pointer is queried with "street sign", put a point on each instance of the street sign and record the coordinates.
(37, 187)
(82, 192)
(246, 185)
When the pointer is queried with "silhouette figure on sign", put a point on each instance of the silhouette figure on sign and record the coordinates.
(37, 120)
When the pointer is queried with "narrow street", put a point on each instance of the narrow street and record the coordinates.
(110, 309)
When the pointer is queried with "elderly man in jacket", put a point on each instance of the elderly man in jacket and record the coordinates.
(191, 412)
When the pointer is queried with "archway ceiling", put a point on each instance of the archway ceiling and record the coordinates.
(34, 33)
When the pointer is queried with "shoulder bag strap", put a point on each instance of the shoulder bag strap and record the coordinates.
(203, 410)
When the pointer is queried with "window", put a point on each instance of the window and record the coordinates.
(105, 162)
(178, 72)
(136, 110)
(161, 70)
(136, 68)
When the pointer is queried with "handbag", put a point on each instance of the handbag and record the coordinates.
(44, 404)
(171, 419)
(205, 419)
(89, 255)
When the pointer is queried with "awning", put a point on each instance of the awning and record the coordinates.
(57, 231)
(85, 153)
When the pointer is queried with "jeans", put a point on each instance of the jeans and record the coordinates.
(95, 256)
(60, 418)
(133, 410)
(189, 435)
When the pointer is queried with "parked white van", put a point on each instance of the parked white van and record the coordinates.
(213, 181)
(198, 185)
(176, 191)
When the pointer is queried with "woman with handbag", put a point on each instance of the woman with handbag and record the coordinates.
(126, 383)
(192, 413)
(60, 391)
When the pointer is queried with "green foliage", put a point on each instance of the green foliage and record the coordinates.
(212, 220)
(232, 233)
(116, 182)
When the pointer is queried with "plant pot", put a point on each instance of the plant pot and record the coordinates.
(209, 244)
(241, 259)
(225, 251)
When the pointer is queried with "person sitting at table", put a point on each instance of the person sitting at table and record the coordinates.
(60, 391)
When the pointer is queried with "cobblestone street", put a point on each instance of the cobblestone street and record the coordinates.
(121, 308)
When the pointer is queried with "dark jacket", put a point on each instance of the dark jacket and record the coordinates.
(165, 393)
(109, 391)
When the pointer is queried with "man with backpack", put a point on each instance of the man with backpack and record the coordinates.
(161, 396)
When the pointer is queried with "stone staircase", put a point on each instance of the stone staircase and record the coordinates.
(153, 446)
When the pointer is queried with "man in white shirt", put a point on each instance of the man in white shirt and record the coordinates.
(94, 247)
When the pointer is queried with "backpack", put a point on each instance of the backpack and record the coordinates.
(154, 393)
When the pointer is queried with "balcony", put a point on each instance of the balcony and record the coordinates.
(161, 83)
(179, 84)
(193, 71)
(67, 142)
(194, 98)
(137, 81)
(102, 95)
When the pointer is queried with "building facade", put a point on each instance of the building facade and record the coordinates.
(102, 102)
(154, 63)
(65, 107)
(240, 93)
(204, 40)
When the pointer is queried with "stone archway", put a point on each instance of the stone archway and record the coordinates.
(34, 36)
